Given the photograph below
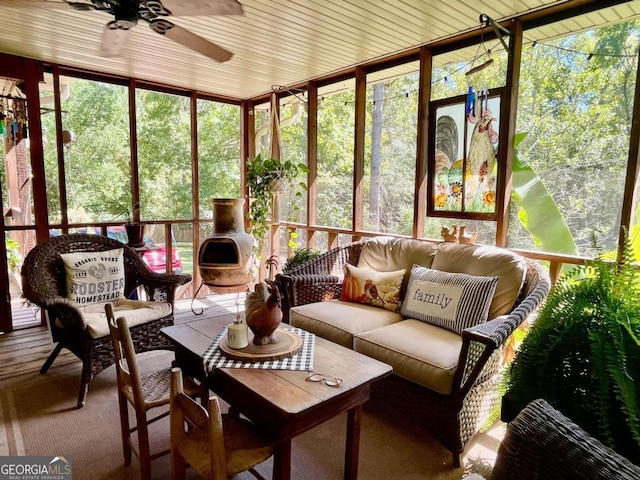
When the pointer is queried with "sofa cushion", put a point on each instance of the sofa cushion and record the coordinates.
(378, 289)
(454, 301)
(417, 351)
(94, 277)
(338, 321)
(136, 312)
(486, 261)
(386, 254)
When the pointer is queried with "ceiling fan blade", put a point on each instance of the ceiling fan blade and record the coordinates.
(114, 40)
(203, 7)
(190, 40)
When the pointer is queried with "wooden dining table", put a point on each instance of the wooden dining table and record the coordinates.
(283, 402)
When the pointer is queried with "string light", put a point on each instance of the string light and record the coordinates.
(489, 61)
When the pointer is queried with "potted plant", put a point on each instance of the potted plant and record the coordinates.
(266, 178)
(123, 209)
(582, 355)
(300, 255)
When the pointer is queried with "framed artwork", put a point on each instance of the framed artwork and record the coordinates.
(463, 160)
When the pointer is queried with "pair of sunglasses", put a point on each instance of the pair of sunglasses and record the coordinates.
(329, 381)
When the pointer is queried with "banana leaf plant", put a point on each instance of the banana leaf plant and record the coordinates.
(538, 211)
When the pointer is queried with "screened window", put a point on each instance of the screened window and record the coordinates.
(218, 153)
(390, 154)
(574, 140)
(164, 155)
(96, 152)
(336, 124)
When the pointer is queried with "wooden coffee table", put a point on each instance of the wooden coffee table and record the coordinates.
(281, 401)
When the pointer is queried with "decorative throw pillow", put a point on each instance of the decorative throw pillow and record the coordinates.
(380, 289)
(454, 301)
(94, 277)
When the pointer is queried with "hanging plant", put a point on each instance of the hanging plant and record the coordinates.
(266, 178)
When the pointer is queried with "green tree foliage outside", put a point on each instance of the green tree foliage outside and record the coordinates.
(97, 161)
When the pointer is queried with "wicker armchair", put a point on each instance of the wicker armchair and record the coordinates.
(455, 418)
(44, 284)
(542, 444)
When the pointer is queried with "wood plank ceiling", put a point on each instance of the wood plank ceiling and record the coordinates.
(275, 42)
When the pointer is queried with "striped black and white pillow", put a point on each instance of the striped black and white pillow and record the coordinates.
(454, 301)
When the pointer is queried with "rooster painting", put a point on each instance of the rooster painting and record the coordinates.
(263, 310)
(471, 179)
(481, 159)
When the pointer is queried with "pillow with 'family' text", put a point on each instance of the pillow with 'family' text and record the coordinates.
(380, 289)
(94, 277)
(454, 301)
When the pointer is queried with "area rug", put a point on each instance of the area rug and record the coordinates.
(38, 417)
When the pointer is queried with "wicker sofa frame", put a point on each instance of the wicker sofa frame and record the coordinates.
(455, 418)
(44, 284)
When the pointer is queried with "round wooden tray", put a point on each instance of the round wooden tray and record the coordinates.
(287, 345)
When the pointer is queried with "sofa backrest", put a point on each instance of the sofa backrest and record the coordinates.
(387, 254)
(486, 261)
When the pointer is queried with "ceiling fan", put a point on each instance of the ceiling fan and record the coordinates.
(127, 13)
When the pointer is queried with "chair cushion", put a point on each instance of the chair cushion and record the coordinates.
(417, 351)
(378, 289)
(94, 277)
(338, 321)
(136, 312)
(486, 261)
(454, 301)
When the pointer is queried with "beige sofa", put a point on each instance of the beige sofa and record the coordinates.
(447, 369)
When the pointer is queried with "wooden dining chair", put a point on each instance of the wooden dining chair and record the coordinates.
(143, 391)
(216, 446)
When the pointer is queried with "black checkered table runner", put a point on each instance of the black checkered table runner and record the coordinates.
(214, 357)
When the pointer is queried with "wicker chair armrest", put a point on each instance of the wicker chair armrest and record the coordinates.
(489, 332)
(481, 341)
(64, 315)
(317, 280)
(161, 287)
(43, 301)
(310, 288)
(496, 331)
(543, 443)
(331, 262)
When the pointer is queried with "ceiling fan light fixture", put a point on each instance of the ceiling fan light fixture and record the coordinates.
(123, 23)
(126, 15)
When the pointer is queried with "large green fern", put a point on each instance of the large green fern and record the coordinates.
(583, 353)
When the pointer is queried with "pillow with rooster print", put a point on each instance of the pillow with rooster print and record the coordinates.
(94, 277)
(380, 289)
